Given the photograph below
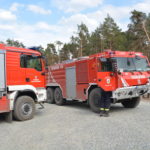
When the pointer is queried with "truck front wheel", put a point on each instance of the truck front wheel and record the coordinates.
(58, 97)
(94, 99)
(50, 96)
(24, 108)
(132, 103)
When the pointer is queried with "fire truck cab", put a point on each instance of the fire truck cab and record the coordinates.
(125, 74)
(22, 82)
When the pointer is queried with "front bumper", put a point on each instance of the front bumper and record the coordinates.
(130, 92)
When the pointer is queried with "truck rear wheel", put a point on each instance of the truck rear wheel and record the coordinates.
(132, 103)
(24, 108)
(50, 96)
(58, 97)
(94, 99)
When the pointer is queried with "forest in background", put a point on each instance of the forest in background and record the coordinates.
(107, 35)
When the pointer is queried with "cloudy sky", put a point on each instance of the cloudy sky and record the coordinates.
(39, 22)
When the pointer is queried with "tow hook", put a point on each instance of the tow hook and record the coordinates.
(41, 106)
(142, 92)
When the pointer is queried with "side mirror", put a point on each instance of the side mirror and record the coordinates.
(114, 65)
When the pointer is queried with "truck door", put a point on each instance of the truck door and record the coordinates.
(35, 74)
(106, 76)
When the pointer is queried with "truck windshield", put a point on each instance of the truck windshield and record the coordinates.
(128, 64)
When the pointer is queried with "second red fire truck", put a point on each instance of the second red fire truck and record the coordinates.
(125, 74)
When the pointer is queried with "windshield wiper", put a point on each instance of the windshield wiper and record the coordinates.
(134, 70)
(125, 70)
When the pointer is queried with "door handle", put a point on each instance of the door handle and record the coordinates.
(27, 79)
(43, 73)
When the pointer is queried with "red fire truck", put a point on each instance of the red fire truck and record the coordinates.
(125, 74)
(22, 82)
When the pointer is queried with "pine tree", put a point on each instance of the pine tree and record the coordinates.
(51, 54)
(59, 44)
(14, 43)
(65, 52)
(136, 36)
(83, 40)
(95, 40)
(111, 35)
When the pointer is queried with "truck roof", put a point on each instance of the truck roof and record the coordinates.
(110, 53)
(18, 49)
(105, 53)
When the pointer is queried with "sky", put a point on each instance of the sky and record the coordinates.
(39, 22)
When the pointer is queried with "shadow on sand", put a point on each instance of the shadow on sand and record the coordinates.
(81, 105)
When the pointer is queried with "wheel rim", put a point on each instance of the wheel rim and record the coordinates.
(26, 109)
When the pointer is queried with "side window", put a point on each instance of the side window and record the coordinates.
(22, 61)
(29, 61)
(106, 65)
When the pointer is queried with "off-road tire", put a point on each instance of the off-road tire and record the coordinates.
(24, 108)
(50, 96)
(131, 103)
(58, 97)
(94, 99)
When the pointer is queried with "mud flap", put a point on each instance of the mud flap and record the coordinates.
(8, 117)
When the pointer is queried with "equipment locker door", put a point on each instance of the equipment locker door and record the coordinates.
(2, 74)
(71, 82)
(4, 102)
